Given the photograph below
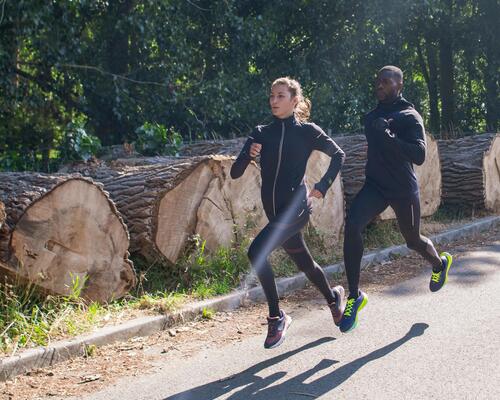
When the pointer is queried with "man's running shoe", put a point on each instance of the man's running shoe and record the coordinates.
(438, 279)
(276, 330)
(337, 308)
(353, 307)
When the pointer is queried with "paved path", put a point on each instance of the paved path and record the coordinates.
(410, 344)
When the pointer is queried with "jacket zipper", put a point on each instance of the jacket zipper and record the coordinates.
(278, 166)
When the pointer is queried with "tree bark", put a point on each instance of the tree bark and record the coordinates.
(489, 11)
(63, 231)
(447, 81)
(471, 171)
(428, 65)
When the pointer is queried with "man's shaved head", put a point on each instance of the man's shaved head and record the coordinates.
(396, 72)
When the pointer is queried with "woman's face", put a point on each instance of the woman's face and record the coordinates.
(281, 101)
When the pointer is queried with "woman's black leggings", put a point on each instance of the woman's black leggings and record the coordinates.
(287, 234)
(367, 204)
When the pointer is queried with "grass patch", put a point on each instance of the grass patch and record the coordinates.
(28, 317)
(382, 234)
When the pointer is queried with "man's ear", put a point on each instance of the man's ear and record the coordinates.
(400, 87)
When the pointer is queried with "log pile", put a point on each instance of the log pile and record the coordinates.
(167, 201)
(328, 215)
(62, 232)
(471, 171)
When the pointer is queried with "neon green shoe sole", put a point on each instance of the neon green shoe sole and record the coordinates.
(438, 279)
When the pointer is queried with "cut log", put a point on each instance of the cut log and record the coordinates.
(167, 203)
(230, 209)
(471, 171)
(158, 228)
(328, 213)
(63, 233)
(428, 174)
(229, 147)
(168, 200)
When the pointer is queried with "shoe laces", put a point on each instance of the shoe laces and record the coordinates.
(436, 276)
(348, 307)
(272, 326)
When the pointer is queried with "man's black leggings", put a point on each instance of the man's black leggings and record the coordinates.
(367, 204)
(287, 234)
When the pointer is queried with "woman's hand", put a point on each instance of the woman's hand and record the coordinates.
(255, 149)
(316, 193)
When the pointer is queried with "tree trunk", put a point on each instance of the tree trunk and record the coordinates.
(62, 232)
(447, 81)
(328, 215)
(168, 201)
(490, 32)
(471, 171)
(353, 174)
(433, 88)
(428, 67)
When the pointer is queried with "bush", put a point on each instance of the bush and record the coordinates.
(78, 144)
(154, 139)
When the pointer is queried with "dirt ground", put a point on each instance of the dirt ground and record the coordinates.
(138, 355)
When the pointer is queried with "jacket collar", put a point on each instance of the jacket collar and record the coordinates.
(289, 121)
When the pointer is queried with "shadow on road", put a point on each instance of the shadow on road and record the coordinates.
(255, 387)
(469, 270)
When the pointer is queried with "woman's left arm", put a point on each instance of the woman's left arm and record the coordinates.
(324, 143)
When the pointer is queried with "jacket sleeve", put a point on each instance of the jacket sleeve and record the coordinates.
(241, 163)
(413, 146)
(322, 142)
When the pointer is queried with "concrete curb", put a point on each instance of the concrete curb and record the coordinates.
(144, 326)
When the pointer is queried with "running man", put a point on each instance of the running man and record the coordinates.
(395, 134)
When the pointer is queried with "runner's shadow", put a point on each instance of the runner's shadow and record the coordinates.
(218, 388)
(296, 388)
(257, 388)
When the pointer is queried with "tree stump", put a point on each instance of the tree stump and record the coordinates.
(471, 171)
(63, 233)
(428, 174)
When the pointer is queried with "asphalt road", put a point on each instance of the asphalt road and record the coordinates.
(410, 344)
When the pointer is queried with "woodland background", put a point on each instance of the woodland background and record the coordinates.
(76, 75)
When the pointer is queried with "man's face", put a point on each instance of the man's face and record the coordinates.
(387, 86)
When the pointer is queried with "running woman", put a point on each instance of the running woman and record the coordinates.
(284, 147)
(395, 134)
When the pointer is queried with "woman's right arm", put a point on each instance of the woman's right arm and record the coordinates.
(241, 163)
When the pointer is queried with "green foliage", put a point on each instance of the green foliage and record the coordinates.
(208, 275)
(155, 139)
(207, 313)
(204, 70)
(77, 144)
(28, 317)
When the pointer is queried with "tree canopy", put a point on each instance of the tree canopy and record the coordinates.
(78, 72)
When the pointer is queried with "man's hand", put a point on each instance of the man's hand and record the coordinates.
(383, 125)
(255, 149)
(316, 193)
